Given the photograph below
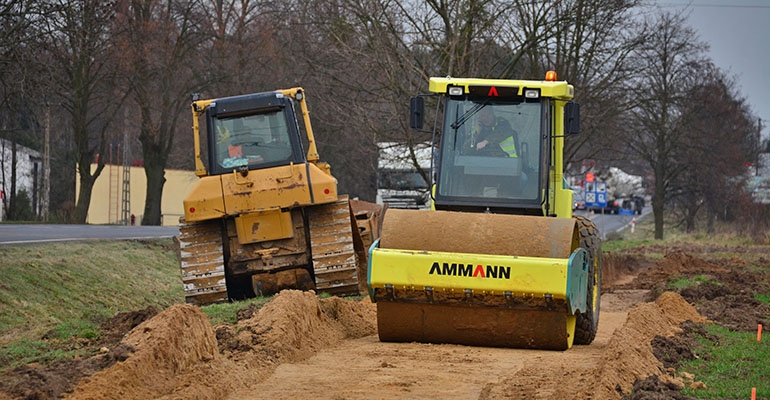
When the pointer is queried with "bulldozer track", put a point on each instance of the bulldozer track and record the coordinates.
(201, 258)
(331, 242)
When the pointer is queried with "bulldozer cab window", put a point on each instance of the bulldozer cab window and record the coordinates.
(490, 149)
(254, 141)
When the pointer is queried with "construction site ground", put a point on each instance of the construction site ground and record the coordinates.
(301, 346)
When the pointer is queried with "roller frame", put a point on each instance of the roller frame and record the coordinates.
(549, 284)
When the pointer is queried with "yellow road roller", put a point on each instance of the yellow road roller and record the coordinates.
(499, 260)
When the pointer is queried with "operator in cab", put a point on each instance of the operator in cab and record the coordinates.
(493, 135)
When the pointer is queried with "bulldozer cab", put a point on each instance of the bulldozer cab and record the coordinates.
(250, 132)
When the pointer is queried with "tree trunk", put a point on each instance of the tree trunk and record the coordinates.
(658, 201)
(154, 169)
(87, 181)
(84, 197)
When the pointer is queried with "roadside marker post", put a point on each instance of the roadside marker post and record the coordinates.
(759, 337)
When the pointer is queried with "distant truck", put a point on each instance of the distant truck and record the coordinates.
(578, 198)
(399, 182)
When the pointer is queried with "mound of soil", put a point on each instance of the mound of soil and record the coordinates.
(178, 354)
(724, 292)
(624, 361)
(724, 289)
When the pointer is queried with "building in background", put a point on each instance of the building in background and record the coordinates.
(107, 199)
(29, 179)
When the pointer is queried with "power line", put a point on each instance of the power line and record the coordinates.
(691, 4)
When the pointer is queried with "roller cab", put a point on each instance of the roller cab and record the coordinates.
(499, 260)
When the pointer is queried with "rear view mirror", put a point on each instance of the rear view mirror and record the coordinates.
(416, 112)
(571, 118)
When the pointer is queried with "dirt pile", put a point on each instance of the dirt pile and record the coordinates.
(723, 290)
(670, 266)
(179, 355)
(629, 354)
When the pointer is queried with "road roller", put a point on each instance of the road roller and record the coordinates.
(499, 260)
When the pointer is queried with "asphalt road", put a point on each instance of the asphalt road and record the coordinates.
(608, 223)
(12, 234)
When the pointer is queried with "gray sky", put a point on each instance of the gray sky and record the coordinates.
(738, 32)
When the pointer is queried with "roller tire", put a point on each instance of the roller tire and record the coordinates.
(588, 322)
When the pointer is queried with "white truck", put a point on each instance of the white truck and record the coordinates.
(401, 172)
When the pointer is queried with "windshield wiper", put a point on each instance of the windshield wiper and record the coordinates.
(468, 114)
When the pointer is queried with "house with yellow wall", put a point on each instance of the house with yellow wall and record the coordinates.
(107, 197)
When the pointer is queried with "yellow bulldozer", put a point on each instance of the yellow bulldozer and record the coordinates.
(499, 260)
(266, 215)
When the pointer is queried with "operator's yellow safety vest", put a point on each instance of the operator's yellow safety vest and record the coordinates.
(509, 147)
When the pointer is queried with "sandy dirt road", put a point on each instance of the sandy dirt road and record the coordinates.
(366, 368)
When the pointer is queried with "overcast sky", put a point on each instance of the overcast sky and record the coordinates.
(738, 33)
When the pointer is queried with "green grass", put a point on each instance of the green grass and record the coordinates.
(731, 365)
(683, 282)
(27, 351)
(226, 313)
(45, 287)
(762, 297)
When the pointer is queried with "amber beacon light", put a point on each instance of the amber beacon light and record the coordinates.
(550, 76)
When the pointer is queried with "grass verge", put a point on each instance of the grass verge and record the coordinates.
(54, 296)
(731, 364)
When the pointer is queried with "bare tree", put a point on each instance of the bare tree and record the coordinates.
(75, 41)
(379, 53)
(157, 48)
(668, 61)
(719, 127)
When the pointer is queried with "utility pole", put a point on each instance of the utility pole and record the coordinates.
(126, 203)
(45, 196)
(758, 150)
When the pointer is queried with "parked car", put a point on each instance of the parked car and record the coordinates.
(633, 204)
(578, 201)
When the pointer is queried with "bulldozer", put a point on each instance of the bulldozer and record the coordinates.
(265, 214)
(499, 260)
